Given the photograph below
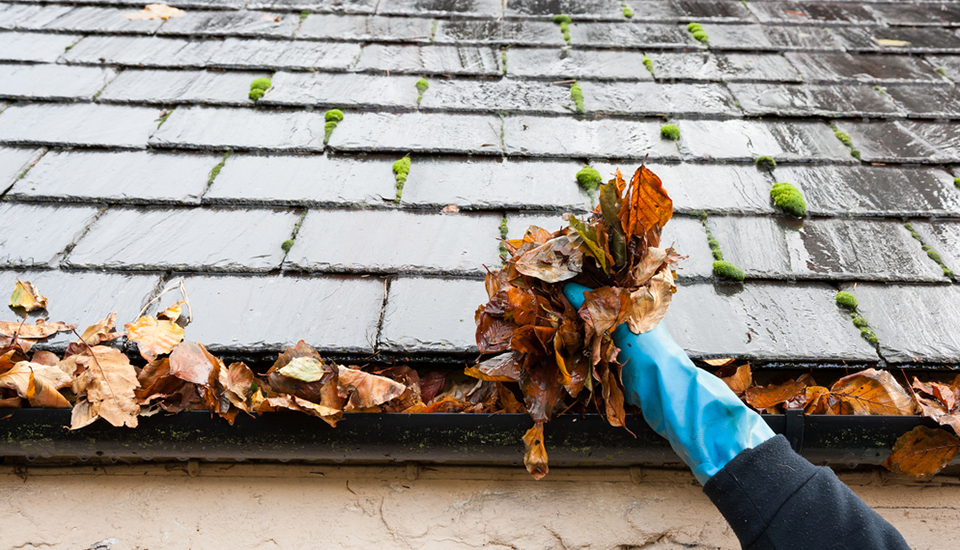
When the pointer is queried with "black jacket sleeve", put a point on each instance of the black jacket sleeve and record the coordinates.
(775, 500)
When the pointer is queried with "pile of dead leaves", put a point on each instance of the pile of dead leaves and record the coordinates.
(921, 452)
(561, 357)
(100, 381)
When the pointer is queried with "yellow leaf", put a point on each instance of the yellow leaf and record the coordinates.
(18, 378)
(173, 312)
(101, 331)
(156, 11)
(892, 43)
(41, 394)
(27, 296)
(154, 337)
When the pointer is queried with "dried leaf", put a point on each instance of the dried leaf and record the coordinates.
(816, 400)
(648, 207)
(365, 389)
(27, 295)
(502, 368)
(155, 11)
(101, 331)
(34, 332)
(154, 336)
(719, 362)
(763, 397)
(294, 403)
(37, 383)
(173, 312)
(108, 380)
(192, 362)
(892, 43)
(739, 380)
(872, 391)
(46, 358)
(42, 394)
(558, 259)
(922, 452)
(307, 369)
(535, 457)
(648, 305)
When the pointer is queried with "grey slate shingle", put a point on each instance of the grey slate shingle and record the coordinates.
(505, 95)
(651, 99)
(231, 23)
(14, 161)
(832, 100)
(37, 47)
(83, 124)
(176, 86)
(728, 67)
(33, 81)
(772, 38)
(320, 6)
(747, 139)
(632, 35)
(417, 132)
(359, 27)
(875, 69)
(458, 60)
(443, 8)
(567, 137)
(512, 32)
(944, 238)
(564, 63)
(342, 90)
(89, 19)
(34, 236)
(221, 128)
(426, 314)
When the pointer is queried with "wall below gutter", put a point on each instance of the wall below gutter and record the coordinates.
(571, 440)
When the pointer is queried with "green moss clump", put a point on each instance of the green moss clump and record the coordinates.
(333, 115)
(304, 14)
(216, 169)
(698, 33)
(855, 153)
(328, 131)
(942, 71)
(560, 18)
(648, 63)
(765, 162)
(846, 300)
(503, 237)
(422, 86)
(956, 181)
(564, 21)
(934, 255)
(589, 179)
(843, 137)
(670, 131)
(727, 270)
(627, 12)
(789, 198)
(577, 95)
(859, 321)
(259, 87)
(402, 169)
(287, 245)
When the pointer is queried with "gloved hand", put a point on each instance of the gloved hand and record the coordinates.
(704, 421)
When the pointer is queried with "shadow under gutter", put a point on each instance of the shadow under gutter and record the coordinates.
(571, 440)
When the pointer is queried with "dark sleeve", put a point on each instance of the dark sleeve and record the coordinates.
(775, 500)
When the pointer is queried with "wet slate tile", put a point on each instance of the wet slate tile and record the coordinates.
(937, 14)
(875, 69)
(79, 124)
(209, 127)
(183, 4)
(52, 81)
(84, 297)
(303, 180)
(649, 98)
(34, 236)
(283, 54)
(898, 39)
(944, 237)
(395, 241)
(188, 239)
(873, 190)
(417, 132)
(943, 136)
(169, 87)
(517, 223)
(767, 321)
(494, 184)
(698, 10)
(941, 102)
(747, 140)
(713, 188)
(13, 162)
(366, 28)
(726, 67)
(343, 90)
(949, 63)
(627, 35)
(30, 46)
(446, 60)
(488, 31)
(913, 323)
(442, 8)
(786, 100)
(271, 313)
(889, 142)
(508, 95)
(576, 9)
(568, 137)
(320, 6)
(431, 315)
(121, 177)
(143, 51)
(771, 38)
(779, 248)
(567, 63)
(231, 23)
(90, 19)
(11, 15)
(814, 13)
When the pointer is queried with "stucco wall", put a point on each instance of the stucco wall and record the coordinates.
(240, 506)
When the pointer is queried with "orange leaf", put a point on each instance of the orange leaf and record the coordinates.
(922, 452)
(154, 337)
(367, 390)
(764, 397)
(739, 380)
(101, 331)
(872, 391)
(43, 395)
(34, 332)
(535, 457)
(192, 362)
(648, 206)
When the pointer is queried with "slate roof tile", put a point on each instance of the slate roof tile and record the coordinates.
(238, 53)
(442, 8)
(22, 81)
(814, 13)
(340, 90)
(505, 95)
(232, 23)
(36, 236)
(729, 67)
(564, 63)
(83, 124)
(773, 38)
(944, 237)
(458, 60)
(511, 32)
(360, 27)
(937, 102)
(747, 139)
(169, 87)
(38, 47)
(790, 100)
(14, 161)
(567, 137)
(648, 98)
(898, 39)
(632, 35)
(875, 69)
(418, 132)
(141, 51)
(221, 128)
(320, 6)
(88, 19)
(425, 314)
(189, 239)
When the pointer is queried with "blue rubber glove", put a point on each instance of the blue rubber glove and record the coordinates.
(704, 421)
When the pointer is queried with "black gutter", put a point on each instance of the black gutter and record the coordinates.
(428, 438)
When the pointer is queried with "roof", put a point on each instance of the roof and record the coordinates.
(114, 134)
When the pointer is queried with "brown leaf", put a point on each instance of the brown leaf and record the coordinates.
(648, 207)
(46, 358)
(816, 400)
(101, 331)
(154, 336)
(939, 403)
(602, 309)
(648, 305)
(192, 362)
(42, 394)
(367, 390)
(763, 397)
(872, 391)
(502, 368)
(493, 333)
(27, 295)
(652, 261)
(34, 332)
(108, 380)
(922, 452)
(508, 400)
(739, 380)
(535, 457)
(431, 384)
(155, 11)
(17, 378)
(558, 259)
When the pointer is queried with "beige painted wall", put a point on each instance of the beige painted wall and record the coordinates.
(239, 506)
